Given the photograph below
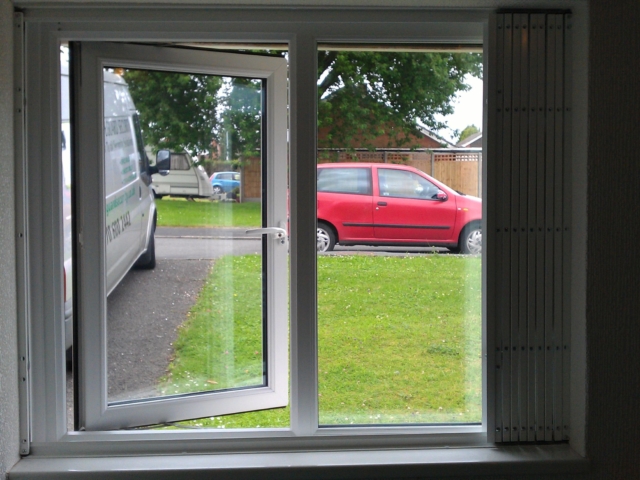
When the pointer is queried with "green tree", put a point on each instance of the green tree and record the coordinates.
(177, 111)
(367, 94)
(361, 94)
(467, 132)
(241, 119)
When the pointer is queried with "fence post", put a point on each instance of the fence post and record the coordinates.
(432, 155)
(480, 174)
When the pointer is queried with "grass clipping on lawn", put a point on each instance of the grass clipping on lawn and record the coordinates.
(399, 340)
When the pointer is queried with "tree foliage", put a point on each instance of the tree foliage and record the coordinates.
(361, 95)
(467, 132)
(241, 119)
(178, 111)
(367, 94)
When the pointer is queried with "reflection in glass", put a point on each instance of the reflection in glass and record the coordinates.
(185, 282)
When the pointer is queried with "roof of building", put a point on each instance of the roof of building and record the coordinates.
(469, 140)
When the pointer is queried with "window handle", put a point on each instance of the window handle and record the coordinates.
(279, 233)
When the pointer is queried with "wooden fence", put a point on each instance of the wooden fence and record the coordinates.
(460, 169)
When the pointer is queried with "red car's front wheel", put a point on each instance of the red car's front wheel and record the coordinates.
(471, 240)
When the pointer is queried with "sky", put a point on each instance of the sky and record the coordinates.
(468, 111)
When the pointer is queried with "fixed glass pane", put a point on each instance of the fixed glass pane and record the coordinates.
(185, 281)
(399, 266)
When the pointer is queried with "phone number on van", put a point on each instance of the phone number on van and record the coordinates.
(118, 226)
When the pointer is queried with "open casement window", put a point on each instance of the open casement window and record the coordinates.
(116, 215)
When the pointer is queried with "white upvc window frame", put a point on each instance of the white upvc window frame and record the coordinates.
(44, 431)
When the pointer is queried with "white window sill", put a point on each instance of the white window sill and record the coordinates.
(532, 460)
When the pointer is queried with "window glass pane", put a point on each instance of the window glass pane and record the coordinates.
(185, 281)
(345, 180)
(179, 161)
(399, 183)
(399, 271)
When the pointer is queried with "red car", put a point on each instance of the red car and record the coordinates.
(386, 204)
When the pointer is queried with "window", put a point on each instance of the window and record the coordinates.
(345, 180)
(45, 427)
(395, 183)
(244, 371)
(179, 161)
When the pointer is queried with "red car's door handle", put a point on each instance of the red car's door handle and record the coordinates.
(382, 204)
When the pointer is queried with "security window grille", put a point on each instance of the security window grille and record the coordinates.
(528, 233)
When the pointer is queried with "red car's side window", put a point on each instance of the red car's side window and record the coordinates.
(403, 184)
(345, 180)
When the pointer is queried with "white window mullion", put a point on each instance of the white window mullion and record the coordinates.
(304, 363)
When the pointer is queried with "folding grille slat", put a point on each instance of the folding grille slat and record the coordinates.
(558, 231)
(531, 224)
(521, 112)
(566, 246)
(514, 225)
(495, 210)
(529, 284)
(540, 231)
(505, 274)
(549, 222)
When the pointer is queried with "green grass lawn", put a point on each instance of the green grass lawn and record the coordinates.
(180, 213)
(399, 340)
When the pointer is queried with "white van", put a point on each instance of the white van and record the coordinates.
(184, 180)
(130, 208)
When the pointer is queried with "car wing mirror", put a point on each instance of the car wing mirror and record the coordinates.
(163, 162)
(442, 196)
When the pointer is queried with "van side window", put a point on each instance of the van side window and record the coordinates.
(179, 161)
(144, 159)
(345, 180)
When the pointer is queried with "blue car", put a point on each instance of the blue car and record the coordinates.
(225, 182)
